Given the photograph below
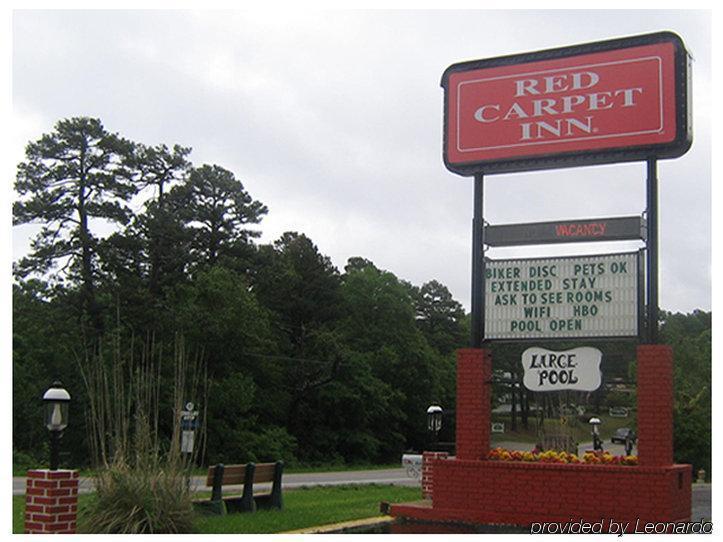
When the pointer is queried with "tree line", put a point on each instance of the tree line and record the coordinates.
(303, 361)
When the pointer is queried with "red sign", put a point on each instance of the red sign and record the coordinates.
(597, 103)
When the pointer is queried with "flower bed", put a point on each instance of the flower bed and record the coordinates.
(552, 456)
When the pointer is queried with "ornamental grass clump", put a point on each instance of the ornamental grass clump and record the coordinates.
(131, 500)
(142, 479)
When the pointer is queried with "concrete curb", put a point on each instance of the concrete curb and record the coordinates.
(343, 526)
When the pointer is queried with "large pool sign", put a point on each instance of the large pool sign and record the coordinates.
(549, 370)
(603, 102)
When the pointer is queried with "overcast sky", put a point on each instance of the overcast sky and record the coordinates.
(334, 121)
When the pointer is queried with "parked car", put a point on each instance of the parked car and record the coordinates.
(621, 434)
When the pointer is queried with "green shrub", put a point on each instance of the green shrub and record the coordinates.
(22, 461)
(139, 500)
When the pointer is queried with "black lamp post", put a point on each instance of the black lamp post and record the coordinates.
(434, 420)
(596, 442)
(56, 418)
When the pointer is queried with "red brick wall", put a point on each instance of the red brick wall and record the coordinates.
(51, 502)
(427, 475)
(524, 493)
(474, 368)
(655, 404)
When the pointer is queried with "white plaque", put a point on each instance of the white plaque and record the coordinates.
(575, 369)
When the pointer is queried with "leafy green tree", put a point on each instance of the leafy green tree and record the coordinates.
(74, 175)
(690, 337)
(300, 285)
(439, 316)
(357, 418)
(142, 265)
(215, 207)
(122, 284)
(218, 313)
(302, 289)
(380, 323)
(220, 316)
(158, 167)
(379, 310)
(159, 230)
(45, 342)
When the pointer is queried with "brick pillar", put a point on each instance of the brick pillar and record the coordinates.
(474, 368)
(655, 405)
(427, 472)
(51, 501)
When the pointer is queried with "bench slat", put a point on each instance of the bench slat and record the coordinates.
(264, 472)
(234, 474)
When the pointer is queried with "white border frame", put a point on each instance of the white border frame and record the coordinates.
(567, 140)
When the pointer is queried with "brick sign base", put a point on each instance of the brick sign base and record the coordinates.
(497, 492)
(472, 489)
(427, 475)
(51, 502)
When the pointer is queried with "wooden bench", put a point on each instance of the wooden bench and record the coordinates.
(248, 475)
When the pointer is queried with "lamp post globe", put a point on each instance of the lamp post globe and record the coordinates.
(596, 442)
(56, 400)
(434, 418)
(595, 422)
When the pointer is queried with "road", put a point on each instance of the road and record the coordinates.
(289, 481)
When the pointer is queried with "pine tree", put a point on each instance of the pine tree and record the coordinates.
(70, 177)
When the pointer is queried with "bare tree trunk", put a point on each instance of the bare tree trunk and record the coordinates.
(90, 305)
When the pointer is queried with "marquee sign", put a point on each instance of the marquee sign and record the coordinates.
(610, 101)
(567, 297)
(576, 369)
(566, 231)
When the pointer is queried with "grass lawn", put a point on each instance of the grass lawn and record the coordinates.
(304, 507)
(309, 507)
(18, 513)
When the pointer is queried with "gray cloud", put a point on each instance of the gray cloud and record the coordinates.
(334, 120)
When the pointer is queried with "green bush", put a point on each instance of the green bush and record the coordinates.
(23, 462)
(139, 500)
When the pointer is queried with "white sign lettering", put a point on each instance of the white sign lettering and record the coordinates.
(576, 369)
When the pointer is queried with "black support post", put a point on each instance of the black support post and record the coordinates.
(277, 500)
(248, 504)
(216, 488)
(652, 251)
(54, 450)
(478, 265)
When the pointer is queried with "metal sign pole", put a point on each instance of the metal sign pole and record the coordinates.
(652, 250)
(478, 264)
